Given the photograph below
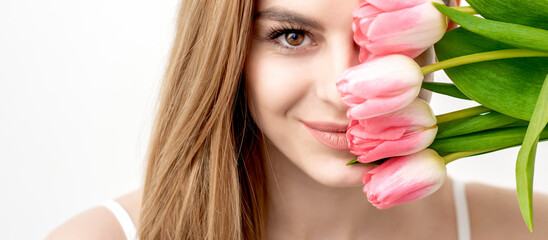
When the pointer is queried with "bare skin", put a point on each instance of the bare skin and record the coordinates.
(99, 222)
(494, 214)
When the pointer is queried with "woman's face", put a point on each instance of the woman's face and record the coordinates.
(299, 49)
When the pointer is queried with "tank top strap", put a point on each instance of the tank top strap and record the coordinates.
(123, 218)
(461, 210)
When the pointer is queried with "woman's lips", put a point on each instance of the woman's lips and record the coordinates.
(332, 135)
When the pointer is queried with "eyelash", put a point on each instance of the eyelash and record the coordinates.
(275, 32)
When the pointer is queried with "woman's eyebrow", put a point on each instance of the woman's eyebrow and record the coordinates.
(283, 15)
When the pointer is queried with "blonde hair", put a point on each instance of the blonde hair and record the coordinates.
(205, 178)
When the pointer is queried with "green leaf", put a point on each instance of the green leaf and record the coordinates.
(445, 89)
(525, 165)
(514, 34)
(508, 86)
(374, 163)
(474, 124)
(461, 114)
(520, 123)
(489, 139)
(444, 126)
(355, 162)
(529, 13)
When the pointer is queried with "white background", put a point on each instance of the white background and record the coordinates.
(78, 85)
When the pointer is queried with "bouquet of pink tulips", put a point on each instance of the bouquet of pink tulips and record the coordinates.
(499, 61)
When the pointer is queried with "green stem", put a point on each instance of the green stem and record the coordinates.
(464, 113)
(467, 9)
(457, 155)
(355, 162)
(481, 57)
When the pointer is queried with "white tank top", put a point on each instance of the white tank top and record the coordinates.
(459, 195)
(123, 218)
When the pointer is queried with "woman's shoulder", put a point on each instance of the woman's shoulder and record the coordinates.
(495, 214)
(99, 222)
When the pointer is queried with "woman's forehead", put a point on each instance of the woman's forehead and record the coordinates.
(304, 4)
(316, 14)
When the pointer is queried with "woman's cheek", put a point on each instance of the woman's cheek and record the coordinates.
(277, 83)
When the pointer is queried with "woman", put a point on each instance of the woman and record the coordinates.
(241, 147)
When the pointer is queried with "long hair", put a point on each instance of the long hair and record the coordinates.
(204, 177)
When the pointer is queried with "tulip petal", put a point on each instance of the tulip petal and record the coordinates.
(418, 113)
(386, 84)
(408, 32)
(389, 23)
(396, 27)
(365, 10)
(370, 132)
(406, 197)
(365, 55)
(403, 132)
(378, 106)
(404, 179)
(393, 5)
(409, 144)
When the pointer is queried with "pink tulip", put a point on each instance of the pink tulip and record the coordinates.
(404, 179)
(406, 131)
(408, 27)
(382, 85)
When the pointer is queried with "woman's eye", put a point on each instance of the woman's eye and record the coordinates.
(293, 39)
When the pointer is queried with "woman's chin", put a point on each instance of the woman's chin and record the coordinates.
(337, 174)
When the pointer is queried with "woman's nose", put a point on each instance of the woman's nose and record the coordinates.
(337, 57)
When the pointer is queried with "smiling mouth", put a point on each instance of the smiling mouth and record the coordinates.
(332, 135)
